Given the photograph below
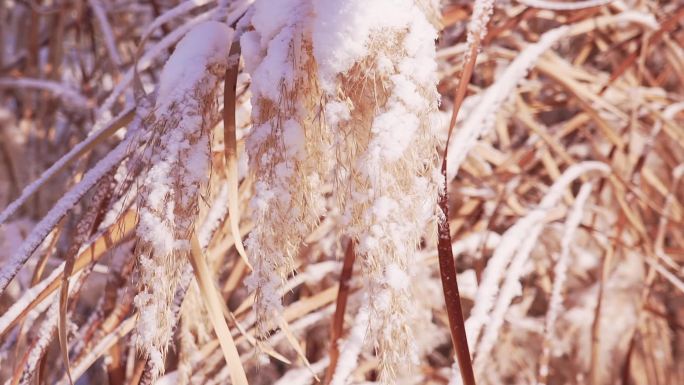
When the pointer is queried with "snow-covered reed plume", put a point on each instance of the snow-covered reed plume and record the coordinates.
(356, 80)
(178, 155)
(376, 62)
(287, 148)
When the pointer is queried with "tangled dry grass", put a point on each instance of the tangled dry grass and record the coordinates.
(143, 141)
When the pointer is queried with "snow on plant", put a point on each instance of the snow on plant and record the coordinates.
(356, 79)
(378, 70)
(352, 346)
(481, 118)
(337, 103)
(287, 147)
(185, 110)
(508, 261)
(560, 275)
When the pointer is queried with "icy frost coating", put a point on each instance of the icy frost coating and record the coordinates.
(509, 258)
(481, 118)
(351, 347)
(378, 71)
(178, 156)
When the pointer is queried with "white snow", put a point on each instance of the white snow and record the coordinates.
(394, 131)
(342, 29)
(397, 277)
(336, 112)
(205, 44)
(293, 138)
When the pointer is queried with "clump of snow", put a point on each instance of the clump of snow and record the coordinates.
(267, 49)
(342, 31)
(383, 207)
(397, 277)
(293, 138)
(336, 112)
(390, 143)
(205, 44)
(269, 18)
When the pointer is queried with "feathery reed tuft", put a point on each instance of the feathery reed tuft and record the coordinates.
(178, 157)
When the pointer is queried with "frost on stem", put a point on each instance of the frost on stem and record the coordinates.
(288, 147)
(508, 262)
(378, 72)
(481, 119)
(352, 346)
(178, 156)
(477, 28)
(572, 222)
